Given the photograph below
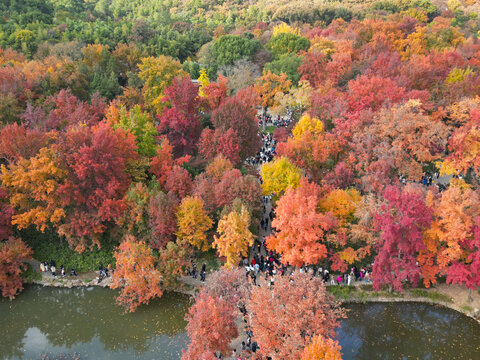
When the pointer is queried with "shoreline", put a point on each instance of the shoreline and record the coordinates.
(454, 297)
(421, 300)
(88, 279)
(353, 294)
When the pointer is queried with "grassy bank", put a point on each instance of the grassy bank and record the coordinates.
(454, 297)
(363, 293)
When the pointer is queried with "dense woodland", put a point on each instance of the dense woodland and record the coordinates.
(110, 153)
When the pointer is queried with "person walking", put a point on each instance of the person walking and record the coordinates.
(194, 271)
(203, 272)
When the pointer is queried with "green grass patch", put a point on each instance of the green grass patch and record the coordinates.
(432, 295)
(362, 296)
(467, 309)
(86, 281)
(270, 129)
(342, 292)
(386, 294)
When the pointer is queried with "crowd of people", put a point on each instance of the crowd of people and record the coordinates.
(267, 151)
(430, 179)
(264, 263)
(51, 267)
(266, 119)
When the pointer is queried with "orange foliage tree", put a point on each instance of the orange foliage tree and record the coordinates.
(34, 186)
(285, 317)
(455, 212)
(300, 227)
(406, 135)
(465, 143)
(163, 162)
(135, 274)
(6, 212)
(215, 92)
(269, 85)
(211, 327)
(321, 348)
(16, 141)
(311, 148)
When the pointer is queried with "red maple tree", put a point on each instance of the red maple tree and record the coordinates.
(13, 254)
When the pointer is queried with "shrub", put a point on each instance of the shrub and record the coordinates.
(48, 246)
(388, 6)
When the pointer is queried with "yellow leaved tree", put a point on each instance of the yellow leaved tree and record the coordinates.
(285, 28)
(235, 237)
(342, 204)
(278, 176)
(297, 99)
(204, 81)
(308, 124)
(193, 223)
(157, 74)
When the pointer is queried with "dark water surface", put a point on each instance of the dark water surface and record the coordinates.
(87, 323)
(408, 331)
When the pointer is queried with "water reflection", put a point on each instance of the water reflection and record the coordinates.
(88, 323)
(408, 331)
(65, 320)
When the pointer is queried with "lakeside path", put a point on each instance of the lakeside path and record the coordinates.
(451, 296)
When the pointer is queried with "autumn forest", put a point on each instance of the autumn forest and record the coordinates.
(151, 135)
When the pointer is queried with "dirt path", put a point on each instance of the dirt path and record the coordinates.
(82, 279)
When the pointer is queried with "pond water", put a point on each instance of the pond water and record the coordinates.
(85, 323)
(408, 331)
